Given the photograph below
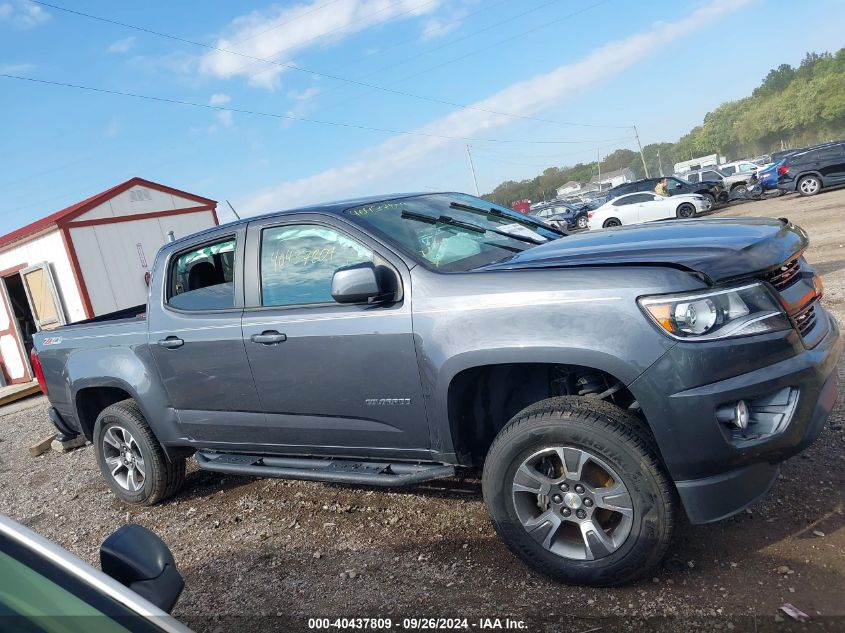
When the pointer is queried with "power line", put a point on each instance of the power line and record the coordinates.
(280, 24)
(514, 37)
(288, 116)
(343, 27)
(497, 45)
(363, 84)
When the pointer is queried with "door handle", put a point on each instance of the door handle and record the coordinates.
(268, 337)
(171, 342)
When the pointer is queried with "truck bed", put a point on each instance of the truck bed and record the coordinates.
(127, 315)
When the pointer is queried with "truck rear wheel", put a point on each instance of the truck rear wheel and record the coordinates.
(131, 460)
(575, 488)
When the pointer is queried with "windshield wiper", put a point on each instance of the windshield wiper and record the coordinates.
(469, 226)
(492, 211)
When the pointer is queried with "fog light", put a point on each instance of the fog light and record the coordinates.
(735, 414)
(741, 415)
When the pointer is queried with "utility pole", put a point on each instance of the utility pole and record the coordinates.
(472, 171)
(659, 161)
(598, 162)
(645, 168)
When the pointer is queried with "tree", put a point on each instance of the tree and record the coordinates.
(792, 106)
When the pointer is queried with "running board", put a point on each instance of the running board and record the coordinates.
(385, 474)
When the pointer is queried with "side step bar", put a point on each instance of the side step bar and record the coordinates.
(386, 474)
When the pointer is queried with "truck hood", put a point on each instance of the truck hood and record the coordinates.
(717, 249)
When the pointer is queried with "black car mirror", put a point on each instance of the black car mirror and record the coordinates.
(358, 283)
(137, 558)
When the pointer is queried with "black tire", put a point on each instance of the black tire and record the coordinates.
(162, 478)
(609, 222)
(809, 185)
(582, 222)
(615, 437)
(740, 191)
(710, 197)
(685, 210)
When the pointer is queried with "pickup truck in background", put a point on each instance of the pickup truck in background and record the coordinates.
(604, 381)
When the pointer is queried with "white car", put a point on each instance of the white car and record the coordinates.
(636, 208)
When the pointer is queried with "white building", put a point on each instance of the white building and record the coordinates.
(613, 178)
(89, 259)
(568, 188)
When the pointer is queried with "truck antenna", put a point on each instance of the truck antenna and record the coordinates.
(233, 209)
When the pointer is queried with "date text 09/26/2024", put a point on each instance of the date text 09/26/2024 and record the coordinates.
(435, 624)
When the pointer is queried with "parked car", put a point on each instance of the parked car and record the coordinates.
(814, 169)
(46, 588)
(735, 184)
(571, 219)
(713, 190)
(564, 216)
(636, 208)
(739, 167)
(383, 342)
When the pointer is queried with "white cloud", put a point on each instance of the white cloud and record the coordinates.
(219, 99)
(438, 28)
(22, 14)
(280, 33)
(304, 95)
(122, 46)
(525, 98)
(225, 117)
(16, 69)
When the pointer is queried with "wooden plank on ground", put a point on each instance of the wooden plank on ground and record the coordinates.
(41, 447)
(11, 393)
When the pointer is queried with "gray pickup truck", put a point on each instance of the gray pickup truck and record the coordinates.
(604, 381)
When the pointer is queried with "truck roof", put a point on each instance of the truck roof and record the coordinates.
(336, 207)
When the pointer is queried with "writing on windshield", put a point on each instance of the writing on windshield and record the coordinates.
(452, 232)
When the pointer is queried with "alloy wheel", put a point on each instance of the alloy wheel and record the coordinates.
(809, 186)
(124, 459)
(572, 503)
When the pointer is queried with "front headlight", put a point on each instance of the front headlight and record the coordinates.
(717, 314)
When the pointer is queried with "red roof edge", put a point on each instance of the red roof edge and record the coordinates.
(75, 210)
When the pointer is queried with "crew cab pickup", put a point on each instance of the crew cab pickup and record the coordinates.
(604, 381)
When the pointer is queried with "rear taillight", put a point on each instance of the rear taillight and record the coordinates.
(39, 373)
(590, 215)
(782, 170)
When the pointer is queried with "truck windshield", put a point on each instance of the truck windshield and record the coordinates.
(453, 232)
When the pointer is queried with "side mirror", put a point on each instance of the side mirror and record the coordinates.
(357, 284)
(139, 559)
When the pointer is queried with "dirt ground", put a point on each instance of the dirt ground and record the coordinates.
(269, 554)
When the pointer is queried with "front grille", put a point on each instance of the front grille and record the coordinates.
(785, 275)
(805, 318)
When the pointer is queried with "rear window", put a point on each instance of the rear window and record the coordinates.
(203, 278)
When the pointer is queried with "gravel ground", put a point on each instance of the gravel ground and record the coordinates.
(269, 554)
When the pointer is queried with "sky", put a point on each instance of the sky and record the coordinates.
(277, 105)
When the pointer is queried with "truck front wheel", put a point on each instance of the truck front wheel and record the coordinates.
(131, 460)
(575, 489)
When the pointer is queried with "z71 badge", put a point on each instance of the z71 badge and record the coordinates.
(52, 340)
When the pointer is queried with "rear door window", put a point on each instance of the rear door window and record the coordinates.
(202, 278)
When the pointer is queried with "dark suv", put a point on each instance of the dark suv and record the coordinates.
(711, 189)
(813, 169)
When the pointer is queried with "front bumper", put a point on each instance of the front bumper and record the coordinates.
(715, 475)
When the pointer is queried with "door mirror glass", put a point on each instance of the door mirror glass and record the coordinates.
(138, 559)
(358, 283)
